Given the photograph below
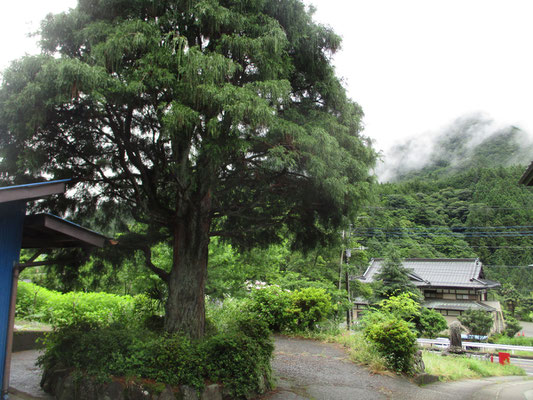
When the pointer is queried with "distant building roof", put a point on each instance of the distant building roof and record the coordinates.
(438, 272)
(527, 178)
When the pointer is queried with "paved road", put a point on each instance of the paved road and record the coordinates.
(527, 328)
(526, 364)
(312, 370)
(26, 376)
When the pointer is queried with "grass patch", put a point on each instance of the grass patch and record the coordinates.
(23, 325)
(453, 368)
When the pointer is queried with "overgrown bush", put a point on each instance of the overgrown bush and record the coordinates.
(238, 357)
(430, 323)
(284, 310)
(406, 306)
(275, 306)
(512, 326)
(312, 306)
(478, 322)
(393, 337)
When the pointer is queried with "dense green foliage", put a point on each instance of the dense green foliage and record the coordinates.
(393, 338)
(476, 213)
(477, 322)
(236, 352)
(430, 323)
(285, 310)
(392, 327)
(406, 306)
(193, 119)
(40, 304)
(393, 279)
(512, 326)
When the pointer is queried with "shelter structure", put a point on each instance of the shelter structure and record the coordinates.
(450, 286)
(41, 232)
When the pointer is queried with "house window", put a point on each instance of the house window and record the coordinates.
(462, 297)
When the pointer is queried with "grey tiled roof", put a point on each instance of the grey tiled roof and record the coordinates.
(459, 305)
(439, 272)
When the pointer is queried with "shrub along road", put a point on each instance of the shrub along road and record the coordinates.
(308, 369)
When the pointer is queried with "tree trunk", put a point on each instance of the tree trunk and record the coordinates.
(185, 308)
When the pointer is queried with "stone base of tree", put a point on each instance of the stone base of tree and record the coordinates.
(425, 379)
(68, 384)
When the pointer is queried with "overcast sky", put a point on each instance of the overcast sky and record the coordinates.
(413, 65)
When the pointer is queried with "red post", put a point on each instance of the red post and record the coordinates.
(504, 358)
(492, 358)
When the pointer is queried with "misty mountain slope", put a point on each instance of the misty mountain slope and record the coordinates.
(480, 212)
(471, 142)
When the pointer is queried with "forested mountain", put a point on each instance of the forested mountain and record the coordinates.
(464, 202)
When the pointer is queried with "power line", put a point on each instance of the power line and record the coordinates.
(447, 227)
(476, 246)
(450, 234)
(447, 207)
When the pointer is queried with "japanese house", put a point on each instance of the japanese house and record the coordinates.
(449, 285)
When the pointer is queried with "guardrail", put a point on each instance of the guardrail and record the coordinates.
(443, 342)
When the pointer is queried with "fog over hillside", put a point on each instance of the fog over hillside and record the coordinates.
(470, 141)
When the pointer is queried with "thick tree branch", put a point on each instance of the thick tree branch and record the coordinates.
(164, 275)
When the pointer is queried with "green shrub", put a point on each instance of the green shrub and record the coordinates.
(283, 310)
(312, 306)
(477, 322)
(512, 326)
(239, 357)
(275, 306)
(403, 305)
(393, 337)
(430, 323)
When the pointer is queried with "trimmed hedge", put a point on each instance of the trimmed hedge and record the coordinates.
(36, 303)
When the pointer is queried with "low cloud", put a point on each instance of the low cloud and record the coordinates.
(471, 140)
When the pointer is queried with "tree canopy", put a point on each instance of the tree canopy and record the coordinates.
(194, 119)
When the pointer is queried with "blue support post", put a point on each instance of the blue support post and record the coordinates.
(11, 224)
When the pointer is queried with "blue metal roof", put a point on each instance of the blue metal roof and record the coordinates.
(32, 191)
(34, 184)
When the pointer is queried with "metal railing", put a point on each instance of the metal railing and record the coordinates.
(444, 342)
